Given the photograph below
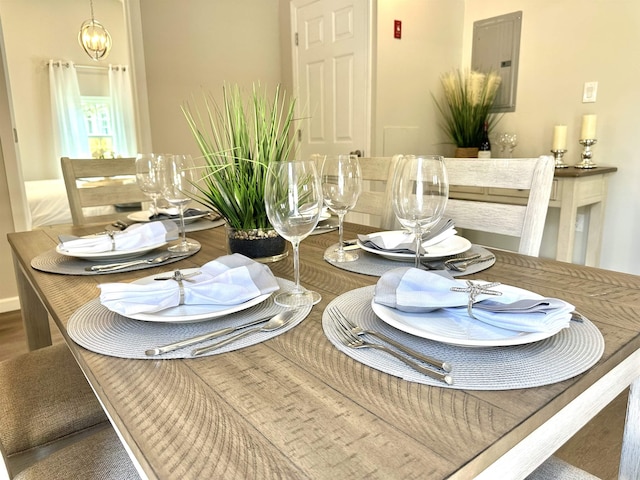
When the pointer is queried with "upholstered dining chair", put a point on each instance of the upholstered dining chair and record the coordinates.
(531, 178)
(51, 424)
(95, 185)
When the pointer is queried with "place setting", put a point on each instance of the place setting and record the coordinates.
(423, 324)
(428, 239)
(224, 305)
(154, 179)
(137, 247)
(475, 335)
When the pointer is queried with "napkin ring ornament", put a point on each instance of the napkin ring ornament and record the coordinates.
(112, 236)
(475, 289)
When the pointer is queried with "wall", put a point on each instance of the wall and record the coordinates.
(563, 45)
(195, 50)
(408, 70)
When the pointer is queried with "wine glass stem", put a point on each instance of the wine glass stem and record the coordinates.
(296, 265)
(340, 235)
(418, 239)
(184, 233)
(155, 205)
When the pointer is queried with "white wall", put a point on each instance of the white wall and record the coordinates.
(194, 50)
(409, 69)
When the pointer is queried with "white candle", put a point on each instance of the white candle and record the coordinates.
(559, 137)
(588, 127)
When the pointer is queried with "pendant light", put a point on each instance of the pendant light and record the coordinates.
(94, 38)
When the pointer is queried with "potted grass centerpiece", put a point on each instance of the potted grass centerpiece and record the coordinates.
(238, 139)
(465, 105)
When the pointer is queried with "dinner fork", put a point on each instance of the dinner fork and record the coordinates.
(351, 340)
(358, 330)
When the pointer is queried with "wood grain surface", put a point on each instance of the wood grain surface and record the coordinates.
(296, 407)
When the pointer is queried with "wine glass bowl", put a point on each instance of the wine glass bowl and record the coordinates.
(341, 180)
(148, 178)
(293, 200)
(178, 187)
(420, 191)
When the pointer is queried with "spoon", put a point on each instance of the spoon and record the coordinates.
(116, 266)
(276, 322)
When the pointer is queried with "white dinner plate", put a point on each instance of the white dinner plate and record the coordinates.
(143, 217)
(191, 313)
(116, 255)
(441, 326)
(450, 246)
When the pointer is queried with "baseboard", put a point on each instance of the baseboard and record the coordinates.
(9, 304)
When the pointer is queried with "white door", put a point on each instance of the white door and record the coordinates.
(332, 75)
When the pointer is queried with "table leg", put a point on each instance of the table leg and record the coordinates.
(35, 317)
(630, 457)
(567, 222)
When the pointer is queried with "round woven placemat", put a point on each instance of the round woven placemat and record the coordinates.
(100, 330)
(562, 356)
(53, 262)
(376, 265)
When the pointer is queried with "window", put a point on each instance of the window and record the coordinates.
(97, 117)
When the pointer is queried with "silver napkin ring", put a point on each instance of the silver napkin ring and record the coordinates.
(112, 236)
(475, 289)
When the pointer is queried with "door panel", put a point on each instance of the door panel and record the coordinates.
(332, 75)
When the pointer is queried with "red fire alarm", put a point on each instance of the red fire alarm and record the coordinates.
(397, 29)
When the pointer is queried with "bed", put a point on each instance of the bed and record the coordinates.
(48, 205)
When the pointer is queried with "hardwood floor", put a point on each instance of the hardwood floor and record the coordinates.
(596, 448)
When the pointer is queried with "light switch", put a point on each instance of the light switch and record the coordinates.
(590, 92)
(397, 29)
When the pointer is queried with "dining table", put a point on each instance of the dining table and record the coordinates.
(295, 406)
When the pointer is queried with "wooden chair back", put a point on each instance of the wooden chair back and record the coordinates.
(374, 205)
(99, 183)
(532, 175)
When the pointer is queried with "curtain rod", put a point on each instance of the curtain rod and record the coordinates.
(59, 63)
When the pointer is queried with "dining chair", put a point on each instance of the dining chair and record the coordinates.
(47, 412)
(96, 186)
(531, 178)
(556, 469)
(374, 206)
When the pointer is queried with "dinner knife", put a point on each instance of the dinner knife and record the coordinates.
(152, 352)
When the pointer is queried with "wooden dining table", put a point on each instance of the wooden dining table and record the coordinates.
(296, 407)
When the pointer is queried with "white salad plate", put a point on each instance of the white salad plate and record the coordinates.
(191, 313)
(450, 246)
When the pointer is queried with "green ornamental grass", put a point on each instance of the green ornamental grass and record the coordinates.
(238, 140)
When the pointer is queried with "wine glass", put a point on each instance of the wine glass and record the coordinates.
(341, 186)
(420, 191)
(513, 143)
(148, 178)
(178, 187)
(293, 200)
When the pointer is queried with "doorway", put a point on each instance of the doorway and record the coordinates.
(331, 59)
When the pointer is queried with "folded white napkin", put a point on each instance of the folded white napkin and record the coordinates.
(413, 290)
(404, 242)
(138, 235)
(228, 280)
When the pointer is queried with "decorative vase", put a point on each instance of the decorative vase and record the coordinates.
(262, 245)
(466, 152)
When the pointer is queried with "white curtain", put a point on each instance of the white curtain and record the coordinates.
(124, 134)
(69, 129)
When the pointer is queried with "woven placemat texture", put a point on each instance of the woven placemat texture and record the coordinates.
(567, 354)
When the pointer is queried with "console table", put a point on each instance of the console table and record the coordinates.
(572, 189)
